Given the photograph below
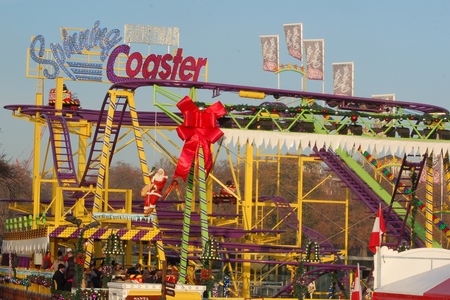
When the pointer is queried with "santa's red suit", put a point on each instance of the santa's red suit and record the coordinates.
(158, 182)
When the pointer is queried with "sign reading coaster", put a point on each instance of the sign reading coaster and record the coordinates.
(166, 67)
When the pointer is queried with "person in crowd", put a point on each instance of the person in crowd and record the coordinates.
(89, 274)
(59, 260)
(59, 278)
(70, 270)
(47, 261)
(66, 256)
(136, 270)
(158, 276)
(148, 276)
(118, 272)
(97, 280)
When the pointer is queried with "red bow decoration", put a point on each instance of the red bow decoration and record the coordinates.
(198, 129)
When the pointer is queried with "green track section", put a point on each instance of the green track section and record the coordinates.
(382, 193)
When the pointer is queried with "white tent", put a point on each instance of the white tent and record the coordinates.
(429, 285)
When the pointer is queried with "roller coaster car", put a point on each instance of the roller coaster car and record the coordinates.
(360, 106)
(223, 196)
(67, 101)
(272, 109)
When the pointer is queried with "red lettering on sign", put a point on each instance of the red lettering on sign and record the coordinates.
(154, 66)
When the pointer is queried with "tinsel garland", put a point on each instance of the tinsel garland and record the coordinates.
(102, 294)
(17, 281)
(40, 280)
(226, 284)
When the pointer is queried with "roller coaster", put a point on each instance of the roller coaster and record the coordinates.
(345, 133)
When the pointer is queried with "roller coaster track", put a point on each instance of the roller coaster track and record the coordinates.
(289, 216)
(396, 215)
(109, 110)
(113, 115)
(62, 151)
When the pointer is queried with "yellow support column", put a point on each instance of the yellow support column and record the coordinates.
(429, 203)
(300, 197)
(247, 217)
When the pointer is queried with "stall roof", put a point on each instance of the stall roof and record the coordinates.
(433, 284)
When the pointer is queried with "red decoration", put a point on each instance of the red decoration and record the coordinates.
(354, 118)
(198, 129)
(411, 118)
(299, 109)
(79, 259)
(253, 108)
(386, 119)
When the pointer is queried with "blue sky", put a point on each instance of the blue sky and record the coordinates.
(399, 47)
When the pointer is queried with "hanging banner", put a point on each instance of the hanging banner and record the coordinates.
(293, 33)
(343, 78)
(315, 55)
(269, 44)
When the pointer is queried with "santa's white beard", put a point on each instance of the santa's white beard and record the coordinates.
(158, 177)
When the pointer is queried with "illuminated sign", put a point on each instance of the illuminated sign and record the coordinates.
(76, 43)
(151, 35)
(165, 66)
(137, 67)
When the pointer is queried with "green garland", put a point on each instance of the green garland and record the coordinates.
(316, 109)
(300, 287)
(336, 281)
(107, 270)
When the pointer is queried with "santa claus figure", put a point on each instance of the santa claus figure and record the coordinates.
(154, 191)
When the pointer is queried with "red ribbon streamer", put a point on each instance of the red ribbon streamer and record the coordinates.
(198, 129)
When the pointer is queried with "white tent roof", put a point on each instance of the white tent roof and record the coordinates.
(346, 142)
(417, 285)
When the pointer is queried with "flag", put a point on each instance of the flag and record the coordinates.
(377, 231)
(357, 292)
(293, 35)
(343, 78)
(269, 44)
(315, 57)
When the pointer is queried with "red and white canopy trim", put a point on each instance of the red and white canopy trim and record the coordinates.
(346, 142)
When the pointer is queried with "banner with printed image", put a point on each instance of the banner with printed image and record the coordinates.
(343, 78)
(269, 44)
(293, 34)
(314, 52)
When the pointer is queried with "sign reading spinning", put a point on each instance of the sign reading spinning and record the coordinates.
(138, 67)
